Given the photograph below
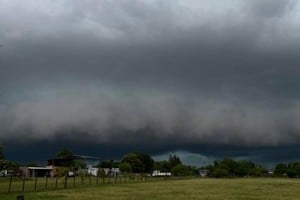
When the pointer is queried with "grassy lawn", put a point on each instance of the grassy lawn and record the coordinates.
(212, 189)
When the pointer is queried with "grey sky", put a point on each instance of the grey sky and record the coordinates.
(176, 71)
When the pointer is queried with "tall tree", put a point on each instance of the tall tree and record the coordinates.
(173, 161)
(65, 153)
(148, 162)
(134, 161)
(140, 162)
(125, 167)
(281, 169)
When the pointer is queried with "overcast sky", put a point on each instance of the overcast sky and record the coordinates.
(133, 72)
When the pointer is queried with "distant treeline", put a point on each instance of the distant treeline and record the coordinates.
(143, 163)
(138, 162)
(231, 168)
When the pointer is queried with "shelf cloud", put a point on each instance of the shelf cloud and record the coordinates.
(128, 71)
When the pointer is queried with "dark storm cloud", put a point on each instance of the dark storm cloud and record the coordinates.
(173, 71)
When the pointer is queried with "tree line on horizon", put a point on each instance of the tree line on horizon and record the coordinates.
(138, 162)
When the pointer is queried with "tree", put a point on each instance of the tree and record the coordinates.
(281, 169)
(148, 162)
(241, 168)
(230, 168)
(162, 166)
(220, 172)
(293, 169)
(125, 167)
(140, 162)
(8, 165)
(257, 171)
(78, 164)
(115, 164)
(65, 153)
(173, 161)
(184, 170)
(134, 161)
(107, 164)
(180, 170)
(67, 157)
(229, 165)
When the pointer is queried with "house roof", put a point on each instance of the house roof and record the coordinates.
(41, 168)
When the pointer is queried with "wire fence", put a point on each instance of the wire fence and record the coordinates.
(24, 184)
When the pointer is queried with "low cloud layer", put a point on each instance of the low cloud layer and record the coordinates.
(188, 158)
(129, 71)
(129, 118)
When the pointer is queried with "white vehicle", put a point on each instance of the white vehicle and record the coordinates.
(158, 173)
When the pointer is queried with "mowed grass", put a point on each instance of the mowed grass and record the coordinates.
(206, 189)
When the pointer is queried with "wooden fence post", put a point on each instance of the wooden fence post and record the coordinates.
(66, 182)
(46, 185)
(9, 184)
(55, 182)
(35, 183)
(23, 185)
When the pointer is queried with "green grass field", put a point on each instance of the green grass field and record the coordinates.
(208, 189)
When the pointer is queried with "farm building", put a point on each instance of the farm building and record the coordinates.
(38, 171)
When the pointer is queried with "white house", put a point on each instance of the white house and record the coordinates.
(93, 171)
(112, 172)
